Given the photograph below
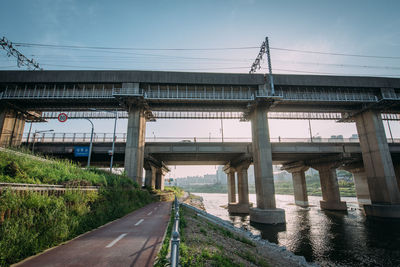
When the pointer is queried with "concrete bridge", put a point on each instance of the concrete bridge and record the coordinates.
(147, 95)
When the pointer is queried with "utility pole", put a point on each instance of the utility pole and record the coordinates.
(264, 49)
(21, 59)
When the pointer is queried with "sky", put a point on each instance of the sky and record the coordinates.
(351, 27)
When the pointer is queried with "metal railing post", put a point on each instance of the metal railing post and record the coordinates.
(175, 241)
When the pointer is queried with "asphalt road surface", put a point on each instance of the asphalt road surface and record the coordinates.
(134, 240)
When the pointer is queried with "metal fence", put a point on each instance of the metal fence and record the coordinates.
(121, 138)
(175, 240)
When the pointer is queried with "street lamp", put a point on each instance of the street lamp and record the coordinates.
(91, 143)
(222, 131)
(34, 137)
(115, 127)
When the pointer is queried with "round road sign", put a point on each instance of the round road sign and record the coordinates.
(62, 117)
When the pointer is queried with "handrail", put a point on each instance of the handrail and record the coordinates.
(175, 236)
(122, 137)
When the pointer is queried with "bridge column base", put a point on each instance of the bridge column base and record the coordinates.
(382, 210)
(328, 205)
(299, 183)
(239, 208)
(267, 216)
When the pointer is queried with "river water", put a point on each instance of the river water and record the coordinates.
(324, 237)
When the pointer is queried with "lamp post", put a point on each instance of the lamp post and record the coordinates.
(34, 137)
(390, 131)
(91, 143)
(115, 127)
(222, 131)
(113, 144)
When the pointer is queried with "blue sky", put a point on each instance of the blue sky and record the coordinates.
(353, 27)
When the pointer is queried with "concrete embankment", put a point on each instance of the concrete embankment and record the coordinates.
(210, 233)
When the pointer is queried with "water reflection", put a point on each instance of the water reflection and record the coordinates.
(325, 237)
(269, 232)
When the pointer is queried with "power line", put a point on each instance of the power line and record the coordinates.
(332, 54)
(21, 59)
(137, 49)
(128, 59)
(202, 49)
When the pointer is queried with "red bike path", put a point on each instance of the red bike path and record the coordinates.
(133, 240)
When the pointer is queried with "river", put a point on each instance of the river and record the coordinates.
(324, 237)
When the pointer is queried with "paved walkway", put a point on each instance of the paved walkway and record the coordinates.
(131, 241)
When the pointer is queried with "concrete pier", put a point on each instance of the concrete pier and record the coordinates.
(230, 172)
(160, 179)
(135, 142)
(360, 183)
(243, 189)
(378, 165)
(299, 185)
(329, 187)
(150, 178)
(12, 125)
(266, 211)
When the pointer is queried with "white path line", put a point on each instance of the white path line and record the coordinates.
(149, 213)
(115, 241)
(139, 222)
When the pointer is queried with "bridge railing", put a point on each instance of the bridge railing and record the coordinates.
(175, 240)
(121, 138)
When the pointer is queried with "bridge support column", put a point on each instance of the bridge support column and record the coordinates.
(230, 172)
(151, 175)
(243, 190)
(160, 179)
(378, 165)
(266, 211)
(329, 187)
(360, 183)
(11, 127)
(135, 142)
(397, 172)
(299, 185)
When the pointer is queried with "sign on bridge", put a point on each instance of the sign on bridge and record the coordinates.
(62, 117)
(81, 151)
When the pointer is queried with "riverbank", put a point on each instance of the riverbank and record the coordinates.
(210, 241)
(327, 238)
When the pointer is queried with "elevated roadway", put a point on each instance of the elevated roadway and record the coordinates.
(210, 153)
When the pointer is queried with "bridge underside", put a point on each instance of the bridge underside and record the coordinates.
(144, 95)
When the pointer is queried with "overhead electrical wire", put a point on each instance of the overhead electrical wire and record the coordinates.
(202, 49)
(162, 58)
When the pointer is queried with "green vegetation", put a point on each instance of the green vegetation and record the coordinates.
(162, 255)
(206, 244)
(31, 222)
(175, 189)
(15, 168)
(285, 187)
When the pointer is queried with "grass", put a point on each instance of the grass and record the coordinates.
(206, 244)
(162, 255)
(174, 189)
(33, 222)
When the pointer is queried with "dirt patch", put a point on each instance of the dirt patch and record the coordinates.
(195, 201)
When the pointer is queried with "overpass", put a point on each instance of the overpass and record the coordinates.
(150, 95)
